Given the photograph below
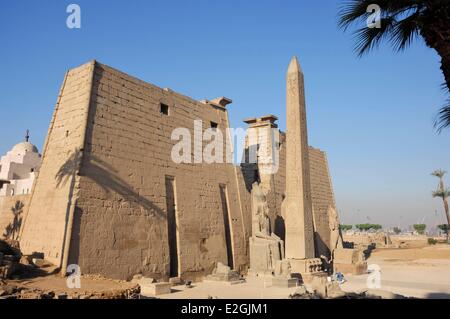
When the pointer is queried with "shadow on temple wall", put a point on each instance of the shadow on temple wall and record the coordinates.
(280, 228)
(74, 245)
(250, 170)
(69, 170)
(322, 251)
(13, 228)
(105, 176)
(321, 246)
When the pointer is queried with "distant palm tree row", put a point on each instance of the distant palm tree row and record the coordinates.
(400, 22)
(362, 227)
(419, 228)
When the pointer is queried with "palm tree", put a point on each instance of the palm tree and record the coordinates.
(442, 192)
(440, 173)
(401, 22)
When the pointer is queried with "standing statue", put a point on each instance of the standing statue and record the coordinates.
(343, 259)
(336, 241)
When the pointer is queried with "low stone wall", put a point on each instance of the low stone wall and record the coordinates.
(383, 240)
(361, 240)
(410, 241)
(6, 214)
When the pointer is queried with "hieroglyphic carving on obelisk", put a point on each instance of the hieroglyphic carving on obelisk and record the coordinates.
(298, 206)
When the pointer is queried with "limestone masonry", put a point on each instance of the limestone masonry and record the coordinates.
(110, 199)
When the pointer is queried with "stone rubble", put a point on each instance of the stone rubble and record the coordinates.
(303, 293)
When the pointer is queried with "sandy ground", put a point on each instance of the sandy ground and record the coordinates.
(252, 288)
(415, 272)
(44, 282)
(59, 285)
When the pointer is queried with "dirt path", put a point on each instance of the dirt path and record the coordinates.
(45, 286)
(416, 272)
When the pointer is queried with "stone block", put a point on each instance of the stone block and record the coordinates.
(176, 281)
(262, 274)
(348, 256)
(139, 279)
(155, 289)
(38, 262)
(229, 277)
(306, 266)
(224, 273)
(353, 269)
(282, 282)
(37, 255)
(26, 260)
(259, 254)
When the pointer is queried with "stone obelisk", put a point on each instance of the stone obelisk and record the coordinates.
(298, 203)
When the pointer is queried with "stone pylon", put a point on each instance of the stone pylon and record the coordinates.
(298, 203)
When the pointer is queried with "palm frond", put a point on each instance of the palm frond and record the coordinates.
(439, 173)
(368, 38)
(442, 193)
(354, 11)
(443, 118)
(400, 22)
(405, 31)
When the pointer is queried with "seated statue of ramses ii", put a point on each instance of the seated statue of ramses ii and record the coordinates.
(265, 247)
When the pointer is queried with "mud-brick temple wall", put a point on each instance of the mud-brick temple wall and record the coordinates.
(121, 225)
(6, 213)
(45, 220)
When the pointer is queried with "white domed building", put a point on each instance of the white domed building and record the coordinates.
(19, 168)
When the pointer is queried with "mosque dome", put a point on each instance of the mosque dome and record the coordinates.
(24, 147)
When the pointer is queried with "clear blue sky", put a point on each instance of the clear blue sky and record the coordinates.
(373, 116)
